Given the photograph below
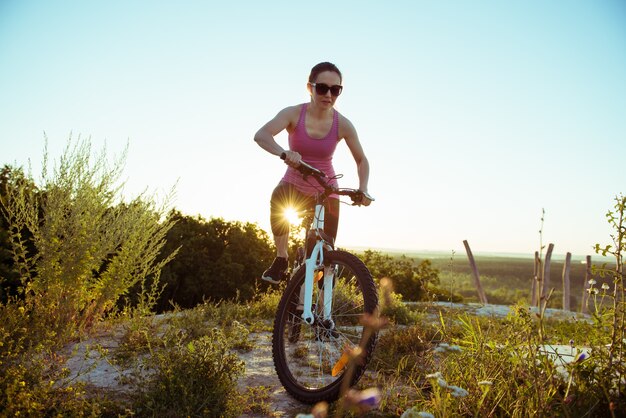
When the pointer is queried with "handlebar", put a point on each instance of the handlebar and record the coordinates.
(308, 170)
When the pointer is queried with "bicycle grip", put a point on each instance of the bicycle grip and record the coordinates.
(305, 168)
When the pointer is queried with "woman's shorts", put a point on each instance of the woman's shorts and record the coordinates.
(285, 196)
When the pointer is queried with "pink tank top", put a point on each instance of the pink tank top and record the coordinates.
(314, 151)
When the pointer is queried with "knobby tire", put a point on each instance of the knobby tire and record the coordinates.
(304, 355)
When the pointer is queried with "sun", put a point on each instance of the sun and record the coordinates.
(292, 216)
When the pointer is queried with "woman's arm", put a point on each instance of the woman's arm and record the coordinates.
(362, 164)
(265, 136)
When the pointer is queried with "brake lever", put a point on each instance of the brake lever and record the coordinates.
(360, 195)
(311, 170)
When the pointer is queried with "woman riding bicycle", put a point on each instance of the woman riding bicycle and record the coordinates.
(315, 129)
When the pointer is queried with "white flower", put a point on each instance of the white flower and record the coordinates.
(437, 375)
(443, 347)
(605, 286)
(458, 392)
(414, 413)
(592, 282)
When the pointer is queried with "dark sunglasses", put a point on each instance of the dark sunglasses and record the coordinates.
(322, 89)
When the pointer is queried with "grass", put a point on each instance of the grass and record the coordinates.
(507, 280)
(431, 358)
(475, 366)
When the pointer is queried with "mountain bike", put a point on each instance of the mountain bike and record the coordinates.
(318, 318)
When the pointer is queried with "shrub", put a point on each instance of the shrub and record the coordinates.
(90, 248)
(193, 379)
(409, 279)
(75, 249)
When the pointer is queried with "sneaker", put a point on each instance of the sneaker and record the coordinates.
(277, 271)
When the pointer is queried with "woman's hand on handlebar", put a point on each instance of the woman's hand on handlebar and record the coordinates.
(363, 199)
(292, 158)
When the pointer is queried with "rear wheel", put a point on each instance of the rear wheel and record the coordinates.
(309, 359)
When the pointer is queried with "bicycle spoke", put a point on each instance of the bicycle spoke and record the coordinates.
(312, 358)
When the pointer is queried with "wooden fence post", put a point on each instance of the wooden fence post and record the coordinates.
(479, 288)
(585, 297)
(533, 288)
(566, 287)
(546, 275)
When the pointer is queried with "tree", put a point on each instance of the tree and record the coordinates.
(217, 260)
(409, 280)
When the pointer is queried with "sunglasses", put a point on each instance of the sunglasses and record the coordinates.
(322, 89)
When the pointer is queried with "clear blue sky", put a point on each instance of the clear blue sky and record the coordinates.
(475, 115)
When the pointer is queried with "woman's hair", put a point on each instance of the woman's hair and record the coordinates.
(320, 68)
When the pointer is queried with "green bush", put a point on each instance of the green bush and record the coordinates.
(194, 379)
(90, 248)
(75, 248)
(217, 260)
(410, 279)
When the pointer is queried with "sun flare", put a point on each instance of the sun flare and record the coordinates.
(292, 216)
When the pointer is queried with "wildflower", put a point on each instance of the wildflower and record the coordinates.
(592, 282)
(444, 347)
(458, 392)
(364, 400)
(320, 410)
(605, 286)
(582, 357)
(439, 378)
(441, 347)
(373, 322)
(414, 413)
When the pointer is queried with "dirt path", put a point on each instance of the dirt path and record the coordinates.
(90, 365)
(260, 372)
(87, 362)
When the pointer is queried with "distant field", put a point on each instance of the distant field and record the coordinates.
(506, 278)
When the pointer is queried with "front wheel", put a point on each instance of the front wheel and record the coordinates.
(309, 359)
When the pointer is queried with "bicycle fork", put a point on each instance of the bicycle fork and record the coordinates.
(314, 262)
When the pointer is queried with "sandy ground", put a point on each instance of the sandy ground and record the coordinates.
(90, 365)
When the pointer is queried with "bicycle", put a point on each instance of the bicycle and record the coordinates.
(317, 320)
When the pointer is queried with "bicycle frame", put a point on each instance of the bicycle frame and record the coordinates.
(315, 256)
(313, 262)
